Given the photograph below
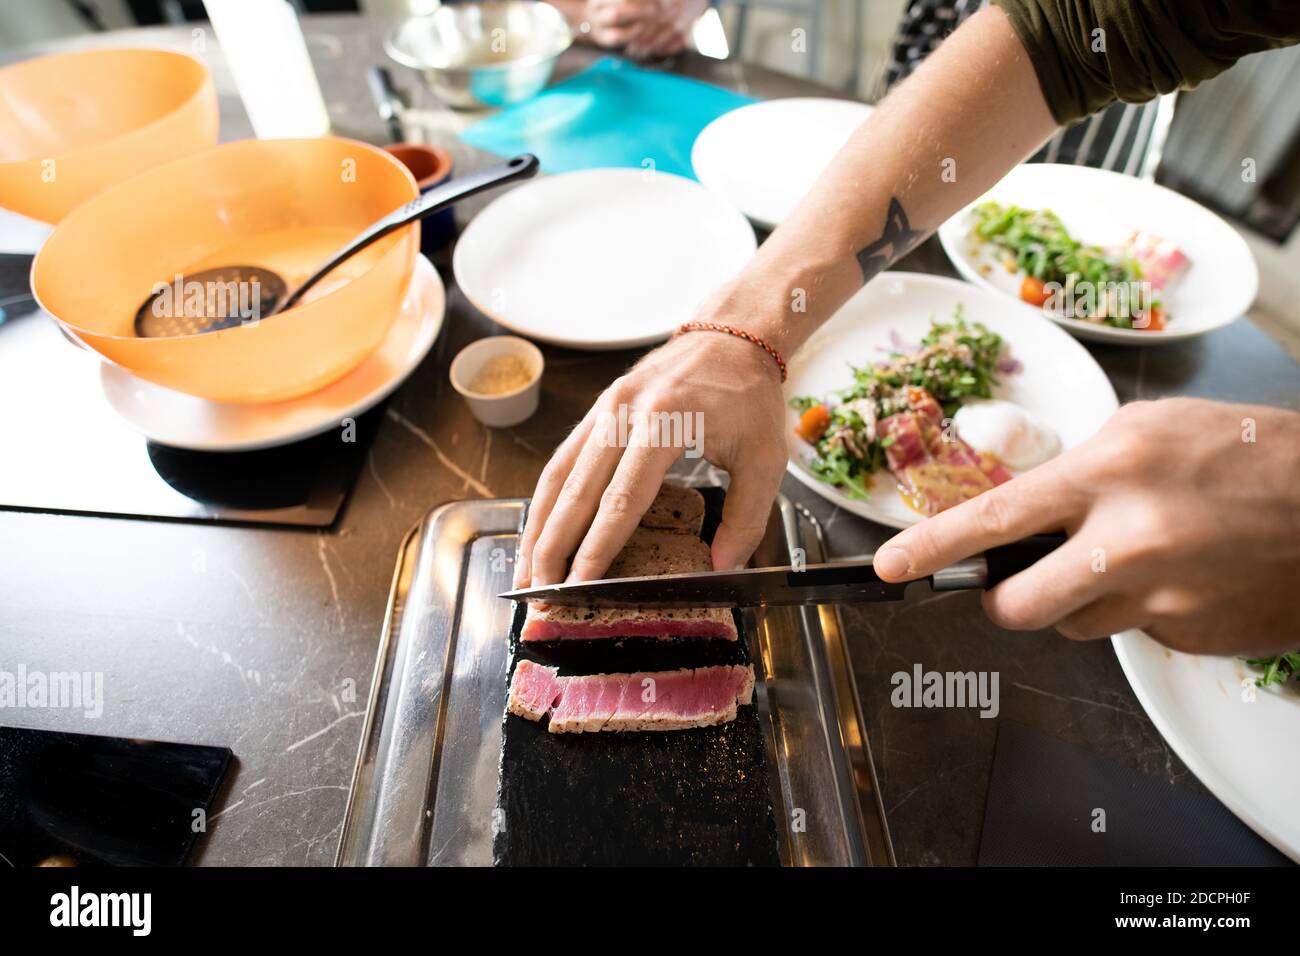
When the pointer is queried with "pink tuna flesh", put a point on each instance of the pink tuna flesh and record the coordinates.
(544, 625)
(1161, 261)
(934, 471)
(667, 700)
(533, 690)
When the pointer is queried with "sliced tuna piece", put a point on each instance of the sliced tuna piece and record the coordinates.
(941, 483)
(651, 551)
(676, 509)
(925, 405)
(936, 471)
(665, 700)
(908, 443)
(957, 452)
(1161, 261)
(648, 552)
(551, 623)
(533, 689)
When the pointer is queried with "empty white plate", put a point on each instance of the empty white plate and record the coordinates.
(185, 421)
(762, 158)
(600, 259)
(1101, 208)
(1059, 383)
(1238, 740)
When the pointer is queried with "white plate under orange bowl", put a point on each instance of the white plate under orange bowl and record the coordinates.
(1239, 741)
(1101, 207)
(186, 421)
(1060, 383)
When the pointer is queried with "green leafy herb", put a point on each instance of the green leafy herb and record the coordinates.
(1276, 670)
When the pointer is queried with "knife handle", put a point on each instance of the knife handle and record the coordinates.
(1010, 559)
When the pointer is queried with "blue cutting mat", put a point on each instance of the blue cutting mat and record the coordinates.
(611, 114)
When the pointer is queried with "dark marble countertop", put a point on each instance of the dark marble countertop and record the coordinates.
(264, 639)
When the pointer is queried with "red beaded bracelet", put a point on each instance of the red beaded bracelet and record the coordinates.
(739, 333)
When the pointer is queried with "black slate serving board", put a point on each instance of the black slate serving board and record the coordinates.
(692, 797)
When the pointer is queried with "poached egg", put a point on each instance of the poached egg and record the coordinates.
(1019, 440)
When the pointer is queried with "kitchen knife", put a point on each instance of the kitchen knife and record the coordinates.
(846, 581)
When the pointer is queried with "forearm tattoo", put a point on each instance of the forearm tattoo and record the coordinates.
(896, 240)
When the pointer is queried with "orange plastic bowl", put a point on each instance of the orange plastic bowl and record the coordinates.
(284, 205)
(74, 123)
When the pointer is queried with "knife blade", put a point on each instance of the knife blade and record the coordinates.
(848, 581)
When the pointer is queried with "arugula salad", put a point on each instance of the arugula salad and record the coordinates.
(1120, 286)
(956, 360)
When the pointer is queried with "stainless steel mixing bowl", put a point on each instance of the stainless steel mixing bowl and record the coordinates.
(474, 55)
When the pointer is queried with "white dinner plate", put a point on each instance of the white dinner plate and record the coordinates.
(764, 157)
(1240, 742)
(1060, 383)
(1102, 207)
(602, 258)
(186, 421)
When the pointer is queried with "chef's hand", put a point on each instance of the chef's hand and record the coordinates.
(643, 28)
(1184, 520)
(726, 395)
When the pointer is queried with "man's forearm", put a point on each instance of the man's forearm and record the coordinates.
(934, 144)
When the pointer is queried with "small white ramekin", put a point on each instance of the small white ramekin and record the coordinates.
(508, 408)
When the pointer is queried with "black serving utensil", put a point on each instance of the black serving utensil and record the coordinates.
(388, 102)
(229, 290)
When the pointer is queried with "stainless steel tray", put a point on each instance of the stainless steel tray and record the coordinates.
(425, 787)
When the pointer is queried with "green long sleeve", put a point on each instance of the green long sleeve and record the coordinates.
(1144, 48)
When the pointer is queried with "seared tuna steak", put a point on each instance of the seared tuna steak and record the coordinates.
(676, 509)
(666, 700)
(649, 552)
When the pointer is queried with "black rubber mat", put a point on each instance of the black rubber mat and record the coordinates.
(89, 801)
(691, 797)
